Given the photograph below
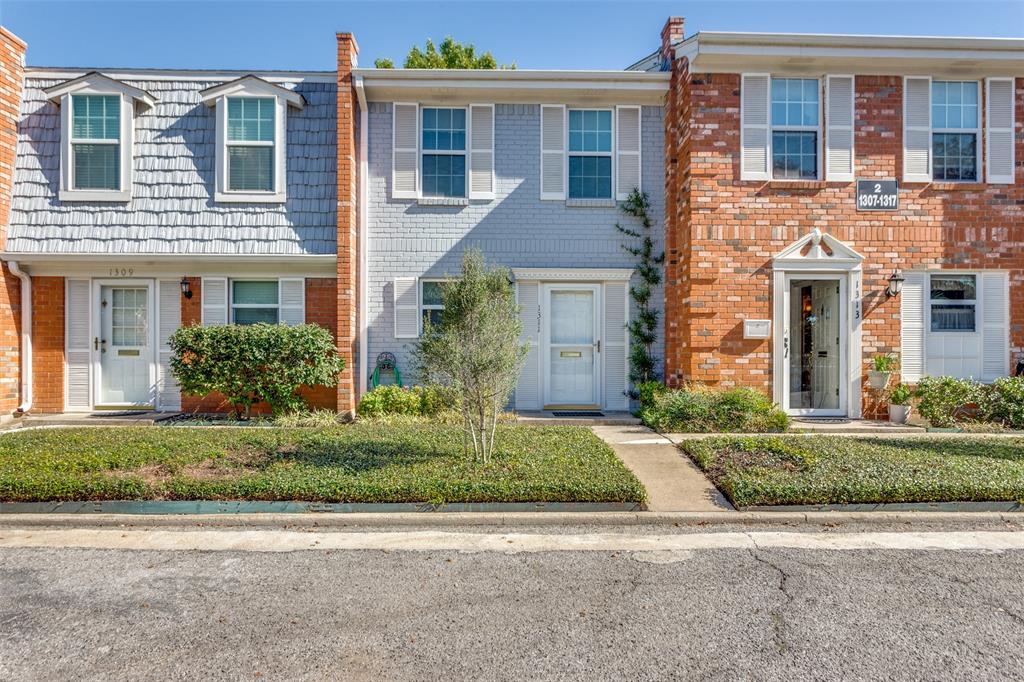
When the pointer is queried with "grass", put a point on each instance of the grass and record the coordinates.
(781, 470)
(362, 462)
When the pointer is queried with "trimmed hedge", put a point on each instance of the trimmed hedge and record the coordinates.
(411, 461)
(700, 409)
(947, 402)
(417, 401)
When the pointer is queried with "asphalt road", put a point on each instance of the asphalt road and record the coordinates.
(89, 614)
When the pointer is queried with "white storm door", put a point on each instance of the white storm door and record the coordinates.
(125, 343)
(815, 342)
(572, 345)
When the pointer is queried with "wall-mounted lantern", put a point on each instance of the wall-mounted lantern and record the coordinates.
(896, 280)
(186, 287)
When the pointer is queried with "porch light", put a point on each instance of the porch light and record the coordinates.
(896, 280)
(186, 288)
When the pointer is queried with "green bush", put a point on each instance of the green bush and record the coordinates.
(418, 401)
(648, 391)
(1003, 402)
(946, 401)
(900, 395)
(248, 364)
(700, 409)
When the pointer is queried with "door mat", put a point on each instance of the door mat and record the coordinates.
(577, 413)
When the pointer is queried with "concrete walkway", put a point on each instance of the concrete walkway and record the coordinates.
(673, 482)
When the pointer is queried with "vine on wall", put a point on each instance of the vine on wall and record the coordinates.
(643, 330)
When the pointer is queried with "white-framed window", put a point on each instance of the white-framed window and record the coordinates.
(252, 124)
(956, 130)
(795, 128)
(443, 152)
(97, 114)
(952, 302)
(431, 302)
(255, 301)
(95, 142)
(590, 154)
(250, 144)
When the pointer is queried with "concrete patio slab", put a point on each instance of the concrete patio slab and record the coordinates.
(673, 482)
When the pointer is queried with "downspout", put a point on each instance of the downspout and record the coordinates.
(362, 241)
(26, 336)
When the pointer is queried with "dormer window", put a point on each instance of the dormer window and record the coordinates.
(97, 113)
(251, 127)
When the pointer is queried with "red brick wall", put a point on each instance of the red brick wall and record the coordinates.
(723, 232)
(47, 344)
(348, 247)
(321, 299)
(12, 70)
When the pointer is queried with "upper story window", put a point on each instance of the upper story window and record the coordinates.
(250, 141)
(795, 129)
(97, 114)
(953, 302)
(251, 137)
(590, 154)
(955, 130)
(444, 152)
(96, 142)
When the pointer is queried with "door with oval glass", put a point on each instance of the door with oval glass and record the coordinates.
(572, 345)
(124, 344)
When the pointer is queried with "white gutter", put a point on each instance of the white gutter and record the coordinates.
(26, 335)
(363, 239)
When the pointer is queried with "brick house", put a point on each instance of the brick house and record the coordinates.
(775, 278)
(133, 201)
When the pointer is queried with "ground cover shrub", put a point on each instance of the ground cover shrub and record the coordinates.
(416, 401)
(701, 409)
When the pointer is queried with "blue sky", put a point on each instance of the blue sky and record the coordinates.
(568, 35)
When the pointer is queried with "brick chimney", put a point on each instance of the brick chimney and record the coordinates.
(671, 34)
(348, 230)
(12, 78)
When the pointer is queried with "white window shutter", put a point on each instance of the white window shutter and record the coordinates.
(405, 150)
(839, 111)
(613, 346)
(995, 325)
(215, 300)
(481, 151)
(912, 309)
(552, 151)
(755, 126)
(407, 308)
(292, 296)
(999, 101)
(627, 146)
(78, 340)
(917, 129)
(528, 394)
(168, 393)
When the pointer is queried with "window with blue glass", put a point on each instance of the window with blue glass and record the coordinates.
(96, 142)
(590, 154)
(250, 142)
(795, 115)
(955, 130)
(444, 152)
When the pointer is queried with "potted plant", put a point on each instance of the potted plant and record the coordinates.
(878, 378)
(899, 404)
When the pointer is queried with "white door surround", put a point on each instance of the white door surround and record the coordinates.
(594, 339)
(818, 256)
(124, 369)
(571, 345)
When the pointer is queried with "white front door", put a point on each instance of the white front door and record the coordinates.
(125, 344)
(815, 345)
(572, 345)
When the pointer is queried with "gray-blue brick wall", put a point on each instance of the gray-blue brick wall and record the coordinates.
(516, 229)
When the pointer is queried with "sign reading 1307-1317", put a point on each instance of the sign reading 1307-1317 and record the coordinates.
(877, 195)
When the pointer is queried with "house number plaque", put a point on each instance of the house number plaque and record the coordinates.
(121, 272)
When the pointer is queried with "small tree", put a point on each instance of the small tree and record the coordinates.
(476, 349)
(643, 331)
(452, 55)
(248, 364)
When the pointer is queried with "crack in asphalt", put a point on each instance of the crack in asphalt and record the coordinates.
(778, 615)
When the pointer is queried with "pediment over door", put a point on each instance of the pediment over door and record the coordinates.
(817, 251)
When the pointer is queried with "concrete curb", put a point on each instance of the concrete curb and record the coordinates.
(512, 519)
